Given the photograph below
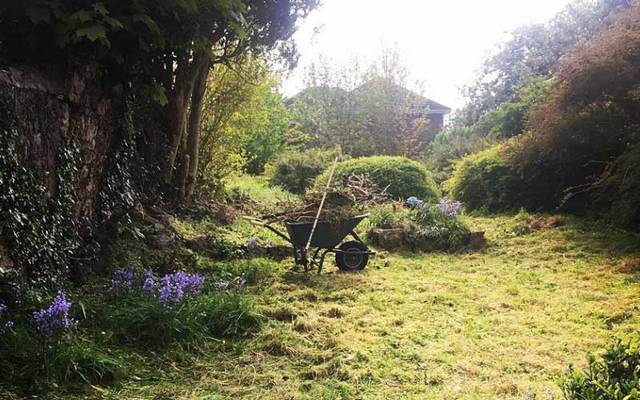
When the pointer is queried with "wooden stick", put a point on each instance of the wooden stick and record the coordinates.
(324, 196)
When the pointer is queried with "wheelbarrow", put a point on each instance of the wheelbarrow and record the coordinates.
(351, 255)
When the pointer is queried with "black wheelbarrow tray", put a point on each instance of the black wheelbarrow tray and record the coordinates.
(328, 237)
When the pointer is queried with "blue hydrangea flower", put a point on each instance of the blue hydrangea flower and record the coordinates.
(177, 286)
(413, 201)
(450, 208)
(55, 319)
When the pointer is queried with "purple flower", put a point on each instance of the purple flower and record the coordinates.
(252, 244)
(54, 319)
(222, 285)
(4, 327)
(123, 278)
(149, 283)
(450, 208)
(175, 287)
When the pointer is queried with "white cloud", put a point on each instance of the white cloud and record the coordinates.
(443, 42)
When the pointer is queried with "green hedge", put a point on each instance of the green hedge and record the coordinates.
(404, 177)
(485, 180)
(295, 171)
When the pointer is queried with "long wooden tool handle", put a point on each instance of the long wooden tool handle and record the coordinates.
(324, 197)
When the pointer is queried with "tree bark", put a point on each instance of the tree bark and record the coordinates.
(195, 121)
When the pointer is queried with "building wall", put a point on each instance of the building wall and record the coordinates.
(436, 120)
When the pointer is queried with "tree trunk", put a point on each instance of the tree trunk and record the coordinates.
(186, 74)
(195, 120)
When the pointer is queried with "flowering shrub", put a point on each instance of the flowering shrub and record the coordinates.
(55, 319)
(450, 208)
(175, 287)
(425, 227)
(6, 325)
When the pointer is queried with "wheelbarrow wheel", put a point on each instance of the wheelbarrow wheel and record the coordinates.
(353, 256)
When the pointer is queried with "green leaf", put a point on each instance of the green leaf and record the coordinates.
(115, 24)
(158, 94)
(81, 16)
(93, 32)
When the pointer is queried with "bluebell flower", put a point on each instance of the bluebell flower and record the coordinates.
(222, 285)
(450, 208)
(123, 279)
(149, 282)
(177, 286)
(55, 319)
(6, 325)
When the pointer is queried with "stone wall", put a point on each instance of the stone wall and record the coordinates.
(48, 113)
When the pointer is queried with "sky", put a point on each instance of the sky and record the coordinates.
(442, 43)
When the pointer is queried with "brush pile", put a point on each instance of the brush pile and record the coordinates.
(345, 201)
(364, 190)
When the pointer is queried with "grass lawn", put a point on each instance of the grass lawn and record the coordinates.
(503, 323)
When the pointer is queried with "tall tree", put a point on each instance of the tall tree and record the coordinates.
(532, 52)
(365, 111)
(165, 45)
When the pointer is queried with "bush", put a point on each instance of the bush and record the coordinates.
(485, 181)
(613, 376)
(425, 227)
(402, 176)
(433, 230)
(387, 216)
(295, 171)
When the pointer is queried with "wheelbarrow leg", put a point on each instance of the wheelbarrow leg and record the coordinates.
(300, 257)
(321, 262)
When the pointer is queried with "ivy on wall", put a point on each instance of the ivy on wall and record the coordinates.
(38, 227)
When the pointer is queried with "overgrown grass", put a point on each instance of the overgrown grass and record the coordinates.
(504, 323)
(257, 188)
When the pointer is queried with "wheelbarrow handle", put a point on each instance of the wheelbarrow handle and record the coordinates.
(259, 222)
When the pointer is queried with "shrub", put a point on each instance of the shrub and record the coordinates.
(432, 229)
(387, 216)
(295, 171)
(615, 375)
(401, 176)
(426, 227)
(485, 181)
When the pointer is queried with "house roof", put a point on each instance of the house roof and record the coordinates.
(432, 106)
(435, 107)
